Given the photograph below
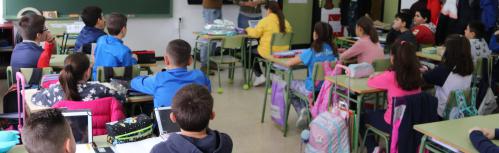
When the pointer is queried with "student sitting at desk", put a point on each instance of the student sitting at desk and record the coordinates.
(423, 29)
(320, 51)
(94, 27)
(455, 71)
(110, 50)
(475, 32)
(47, 131)
(403, 78)
(165, 84)
(192, 110)
(274, 22)
(73, 84)
(29, 53)
(367, 48)
(480, 138)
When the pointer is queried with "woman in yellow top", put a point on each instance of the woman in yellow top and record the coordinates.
(274, 22)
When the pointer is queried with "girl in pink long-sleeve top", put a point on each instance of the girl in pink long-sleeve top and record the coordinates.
(367, 48)
(403, 78)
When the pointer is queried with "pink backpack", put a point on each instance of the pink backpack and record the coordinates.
(322, 101)
(329, 133)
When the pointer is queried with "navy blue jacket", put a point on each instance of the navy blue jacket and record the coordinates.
(482, 144)
(215, 142)
(25, 55)
(88, 35)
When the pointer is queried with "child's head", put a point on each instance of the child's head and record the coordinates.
(457, 55)
(92, 16)
(178, 54)
(33, 28)
(475, 30)
(116, 24)
(47, 131)
(406, 65)
(192, 108)
(76, 69)
(403, 20)
(365, 26)
(273, 7)
(323, 33)
(422, 16)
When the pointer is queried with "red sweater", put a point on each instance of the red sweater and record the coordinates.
(423, 34)
(44, 60)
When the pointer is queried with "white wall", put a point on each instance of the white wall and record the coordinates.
(1, 11)
(406, 4)
(155, 33)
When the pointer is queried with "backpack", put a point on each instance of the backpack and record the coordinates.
(48, 80)
(329, 133)
(322, 102)
(462, 109)
(278, 103)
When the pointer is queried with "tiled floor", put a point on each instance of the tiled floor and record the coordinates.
(238, 114)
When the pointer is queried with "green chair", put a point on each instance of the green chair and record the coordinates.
(230, 45)
(317, 75)
(27, 72)
(196, 51)
(278, 39)
(117, 72)
(65, 37)
(381, 64)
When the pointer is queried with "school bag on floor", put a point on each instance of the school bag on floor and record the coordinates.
(278, 103)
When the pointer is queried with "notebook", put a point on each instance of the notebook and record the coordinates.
(165, 125)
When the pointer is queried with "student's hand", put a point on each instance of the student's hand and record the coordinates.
(135, 57)
(497, 32)
(489, 133)
(48, 37)
(341, 50)
(423, 68)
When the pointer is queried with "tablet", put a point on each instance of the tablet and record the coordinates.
(165, 125)
(81, 125)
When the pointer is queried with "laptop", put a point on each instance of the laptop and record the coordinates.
(81, 125)
(165, 124)
(253, 23)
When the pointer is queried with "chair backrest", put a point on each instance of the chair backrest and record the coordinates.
(27, 73)
(381, 64)
(103, 110)
(233, 42)
(319, 74)
(117, 72)
(281, 39)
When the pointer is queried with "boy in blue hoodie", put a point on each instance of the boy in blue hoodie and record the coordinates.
(192, 110)
(110, 50)
(494, 42)
(165, 84)
(94, 28)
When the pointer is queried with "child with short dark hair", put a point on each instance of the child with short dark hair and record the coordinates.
(475, 32)
(423, 29)
(94, 27)
(110, 50)
(165, 84)
(192, 110)
(47, 131)
(29, 53)
(403, 23)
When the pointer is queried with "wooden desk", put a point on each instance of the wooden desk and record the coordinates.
(140, 99)
(455, 132)
(359, 87)
(433, 57)
(100, 141)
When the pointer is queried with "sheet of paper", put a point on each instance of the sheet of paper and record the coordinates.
(298, 1)
(84, 148)
(139, 146)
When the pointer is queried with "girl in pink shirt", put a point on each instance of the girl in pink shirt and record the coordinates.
(367, 48)
(403, 78)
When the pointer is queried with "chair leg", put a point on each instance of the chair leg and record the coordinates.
(220, 90)
(267, 84)
(288, 100)
(365, 137)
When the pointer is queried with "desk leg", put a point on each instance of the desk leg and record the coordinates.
(267, 83)
(288, 99)
(357, 125)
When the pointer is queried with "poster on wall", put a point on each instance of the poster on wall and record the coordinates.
(297, 1)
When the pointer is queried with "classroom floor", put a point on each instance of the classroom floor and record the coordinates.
(238, 114)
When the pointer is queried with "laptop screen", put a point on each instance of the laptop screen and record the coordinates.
(165, 125)
(81, 125)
